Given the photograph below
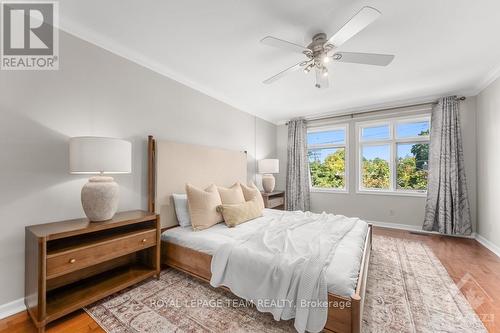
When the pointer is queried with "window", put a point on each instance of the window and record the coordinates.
(327, 151)
(394, 155)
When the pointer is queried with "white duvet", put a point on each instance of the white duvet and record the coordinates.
(341, 273)
(282, 267)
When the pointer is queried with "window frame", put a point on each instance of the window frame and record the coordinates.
(392, 142)
(345, 145)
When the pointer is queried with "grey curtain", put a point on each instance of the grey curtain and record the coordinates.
(297, 172)
(447, 208)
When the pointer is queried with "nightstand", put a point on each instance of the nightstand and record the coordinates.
(274, 200)
(70, 264)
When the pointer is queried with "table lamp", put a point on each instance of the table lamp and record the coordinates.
(267, 167)
(101, 156)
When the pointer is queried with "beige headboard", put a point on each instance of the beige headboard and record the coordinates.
(173, 164)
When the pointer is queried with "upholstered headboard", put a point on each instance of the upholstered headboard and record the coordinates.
(172, 165)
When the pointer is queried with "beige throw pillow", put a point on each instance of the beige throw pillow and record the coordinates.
(235, 214)
(231, 195)
(250, 192)
(203, 206)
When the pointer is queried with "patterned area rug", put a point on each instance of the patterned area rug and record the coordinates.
(408, 290)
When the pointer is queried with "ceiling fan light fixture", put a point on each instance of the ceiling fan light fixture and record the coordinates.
(322, 50)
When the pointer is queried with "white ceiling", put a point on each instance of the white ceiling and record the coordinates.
(441, 47)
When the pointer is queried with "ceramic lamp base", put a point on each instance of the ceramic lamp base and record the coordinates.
(100, 198)
(268, 183)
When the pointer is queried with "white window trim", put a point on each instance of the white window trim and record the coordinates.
(345, 145)
(392, 142)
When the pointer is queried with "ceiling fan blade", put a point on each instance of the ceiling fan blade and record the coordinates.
(321, 80)
(358, 22)
(285, 72)
(283, 44)
(364, 58)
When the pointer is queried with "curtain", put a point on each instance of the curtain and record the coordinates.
(447, 207)
(297, 172)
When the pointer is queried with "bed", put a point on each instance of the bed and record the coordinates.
(171, 165)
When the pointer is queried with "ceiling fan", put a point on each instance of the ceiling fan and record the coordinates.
(323, 50)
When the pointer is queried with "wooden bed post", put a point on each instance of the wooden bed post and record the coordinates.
(358, 299)
(356, 314)
(151, 173)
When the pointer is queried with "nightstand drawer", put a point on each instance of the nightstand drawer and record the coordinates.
(69, 260)
(275, 202)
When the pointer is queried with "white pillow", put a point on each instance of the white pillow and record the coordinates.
(181, 209)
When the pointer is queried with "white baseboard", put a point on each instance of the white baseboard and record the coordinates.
(410, 227)
(487, 244)
(11, 308)
(407, 227)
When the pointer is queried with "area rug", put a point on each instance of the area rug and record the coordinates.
(408, 290)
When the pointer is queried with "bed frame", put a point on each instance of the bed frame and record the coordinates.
(344, 313)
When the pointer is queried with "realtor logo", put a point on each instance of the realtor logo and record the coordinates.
(29, 40)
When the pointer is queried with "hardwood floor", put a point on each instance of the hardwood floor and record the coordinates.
(77, 322)
(474, 269)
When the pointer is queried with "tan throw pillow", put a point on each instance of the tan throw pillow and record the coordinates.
(203, 206)
(231, 195)
(235, 214)
(250, 192)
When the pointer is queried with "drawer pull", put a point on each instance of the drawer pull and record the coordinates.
(144, 240)
(72, 260)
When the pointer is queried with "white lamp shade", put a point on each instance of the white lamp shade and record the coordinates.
(90, 155)
(269, 165)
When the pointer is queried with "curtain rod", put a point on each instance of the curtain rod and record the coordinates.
(352, 114)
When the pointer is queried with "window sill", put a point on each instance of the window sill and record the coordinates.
(328, 190)
(394, 193)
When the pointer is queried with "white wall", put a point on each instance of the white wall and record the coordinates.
(386, 208)
(488, 160)
(95, 93)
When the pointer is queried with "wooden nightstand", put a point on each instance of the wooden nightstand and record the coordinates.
(71, 264)
(274, 200)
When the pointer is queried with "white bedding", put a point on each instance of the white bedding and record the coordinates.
(341, 274)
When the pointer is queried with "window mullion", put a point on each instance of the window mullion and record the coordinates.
(413, 139)
(392, 156)
(326, 146)
(394, 175)
(375, 143)
(360, 165)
